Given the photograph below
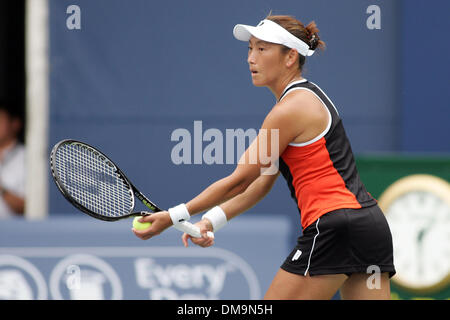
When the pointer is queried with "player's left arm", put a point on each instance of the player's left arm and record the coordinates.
(277, 131)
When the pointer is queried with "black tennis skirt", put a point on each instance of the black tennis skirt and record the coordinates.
(344, 241)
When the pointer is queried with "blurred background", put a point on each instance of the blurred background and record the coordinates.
(124, 76)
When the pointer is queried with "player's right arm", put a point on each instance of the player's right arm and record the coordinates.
(235, 206)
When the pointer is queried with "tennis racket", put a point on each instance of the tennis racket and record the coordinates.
(90, 181)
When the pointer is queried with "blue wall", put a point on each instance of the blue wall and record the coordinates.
(425, 76)
(138, 70)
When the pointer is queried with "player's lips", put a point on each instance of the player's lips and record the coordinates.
(253, 72)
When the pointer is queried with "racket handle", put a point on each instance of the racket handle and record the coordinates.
(191, 229)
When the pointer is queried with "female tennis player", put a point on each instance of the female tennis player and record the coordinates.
(345, 235)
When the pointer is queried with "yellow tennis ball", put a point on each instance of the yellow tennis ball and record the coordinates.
(140, 225)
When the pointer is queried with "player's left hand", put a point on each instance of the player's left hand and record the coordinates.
(160, 221)
(205, 241)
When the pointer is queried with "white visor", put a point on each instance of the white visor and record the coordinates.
(270, 31)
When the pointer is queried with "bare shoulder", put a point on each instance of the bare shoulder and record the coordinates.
(302, 101)
(299, 105)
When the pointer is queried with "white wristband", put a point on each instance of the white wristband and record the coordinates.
(179, 214)
(217, 217)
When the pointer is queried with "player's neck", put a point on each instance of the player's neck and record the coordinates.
(279, 87)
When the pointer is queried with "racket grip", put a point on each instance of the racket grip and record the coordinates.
(191, 229)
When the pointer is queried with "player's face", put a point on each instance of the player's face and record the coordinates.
(265, 61)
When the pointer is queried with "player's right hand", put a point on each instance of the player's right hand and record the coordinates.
(160, 221)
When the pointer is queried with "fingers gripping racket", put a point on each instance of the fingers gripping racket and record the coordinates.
(96, 186)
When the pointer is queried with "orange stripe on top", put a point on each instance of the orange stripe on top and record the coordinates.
(319, 188)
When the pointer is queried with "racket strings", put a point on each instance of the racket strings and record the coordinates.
(92, 181)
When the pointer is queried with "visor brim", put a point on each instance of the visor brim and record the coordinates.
(243, 32)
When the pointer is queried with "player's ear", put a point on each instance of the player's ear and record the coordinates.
(291, 57)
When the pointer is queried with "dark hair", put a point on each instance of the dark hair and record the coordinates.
(308, 34)
(15, 113)
(10, 108)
